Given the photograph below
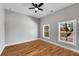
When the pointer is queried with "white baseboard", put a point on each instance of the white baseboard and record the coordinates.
(20, 42)
(61, 46)
(2, 50)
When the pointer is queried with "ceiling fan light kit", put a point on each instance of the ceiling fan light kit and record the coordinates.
(36, 9)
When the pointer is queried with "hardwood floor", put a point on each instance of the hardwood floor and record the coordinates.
(37, 48)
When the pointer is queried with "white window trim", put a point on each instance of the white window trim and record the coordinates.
(48, 31)
(74, 41)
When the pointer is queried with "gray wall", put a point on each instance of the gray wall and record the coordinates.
(2, 34)
(20, 27)
(69, 13)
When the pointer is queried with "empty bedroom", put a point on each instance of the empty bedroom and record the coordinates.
(39, 29)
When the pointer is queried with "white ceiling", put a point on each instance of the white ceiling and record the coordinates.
(23, 8)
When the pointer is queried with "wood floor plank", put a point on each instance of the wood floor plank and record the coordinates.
(37, 48)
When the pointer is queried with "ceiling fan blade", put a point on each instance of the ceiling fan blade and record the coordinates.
(40, 9)
(41, 4)
(34, 4)
(32, 8)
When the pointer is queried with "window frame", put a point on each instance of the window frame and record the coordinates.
(48, 31)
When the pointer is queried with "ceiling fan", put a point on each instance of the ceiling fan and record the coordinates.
(37, 7)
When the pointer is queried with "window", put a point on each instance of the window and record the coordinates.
(46, 31)
(67, 32)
